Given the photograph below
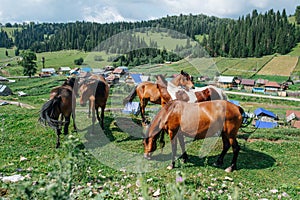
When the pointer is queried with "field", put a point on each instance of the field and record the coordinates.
(108, 164)
(280, 66)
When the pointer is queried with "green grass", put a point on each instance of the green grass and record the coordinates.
(109, 164)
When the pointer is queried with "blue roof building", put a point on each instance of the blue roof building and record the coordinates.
(263, 112)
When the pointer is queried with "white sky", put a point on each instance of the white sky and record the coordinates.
(103, 11)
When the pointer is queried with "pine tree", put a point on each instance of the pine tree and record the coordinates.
(297, 15)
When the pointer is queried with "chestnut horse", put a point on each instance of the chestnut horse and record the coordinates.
(62, 102)
(148, 91)
(96, 91)
(196, 120)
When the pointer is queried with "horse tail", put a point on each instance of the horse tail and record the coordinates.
(49, 111)
(131, 96)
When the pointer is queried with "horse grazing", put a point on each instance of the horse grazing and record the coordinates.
(96, 91)
(62, 102)
(170, 92)
(148, 91)
(196, 120)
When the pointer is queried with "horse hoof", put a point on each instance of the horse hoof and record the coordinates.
(228, 169)
(147, 156)
(170, 167)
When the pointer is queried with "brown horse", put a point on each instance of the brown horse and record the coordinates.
(196, 120)
(148, 91)
(96, 91)
(62, 102)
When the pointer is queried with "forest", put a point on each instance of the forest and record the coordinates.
(253, 35)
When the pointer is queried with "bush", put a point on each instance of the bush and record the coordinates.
(78, 61)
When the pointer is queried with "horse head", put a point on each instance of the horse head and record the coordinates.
(184, 80)
(149, 147)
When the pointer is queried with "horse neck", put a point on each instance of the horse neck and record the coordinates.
(176, 81)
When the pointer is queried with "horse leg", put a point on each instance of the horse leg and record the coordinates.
(102, 117)
(74, 124)
(90, 105)
(66, 126)
(143, 105)
(236, 148)
(58, 133)
(100, 120)
(73, 112)
(226, 146)
(174, 149)
(182, 145)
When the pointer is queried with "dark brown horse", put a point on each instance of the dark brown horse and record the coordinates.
(196, 120)
(96, 91)
(148, 91)
(62, 102)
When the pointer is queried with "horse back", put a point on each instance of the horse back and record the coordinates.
(148, 90)
(205, 119)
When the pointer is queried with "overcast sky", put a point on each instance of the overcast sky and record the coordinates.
(103, 11)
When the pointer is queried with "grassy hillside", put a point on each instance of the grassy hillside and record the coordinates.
(245, 67)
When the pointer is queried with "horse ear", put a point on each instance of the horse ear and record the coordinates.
(181, 72)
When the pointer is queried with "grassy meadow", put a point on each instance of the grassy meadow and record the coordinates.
(108, 164)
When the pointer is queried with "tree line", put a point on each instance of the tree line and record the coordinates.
(254, 35)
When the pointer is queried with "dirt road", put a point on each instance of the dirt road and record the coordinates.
(263, 96)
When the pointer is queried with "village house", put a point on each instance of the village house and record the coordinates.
(136, 79)
(261, 82)
(226, 81)
(64, 70)
(293, 117)
(248, 84)
(47, 72)
(120, 71)
(272, 88)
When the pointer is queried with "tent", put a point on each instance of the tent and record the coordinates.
(132, 108)
(5, 90)
(263, 124)
(263, 112)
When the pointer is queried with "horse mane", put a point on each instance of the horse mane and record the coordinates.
(160, 79)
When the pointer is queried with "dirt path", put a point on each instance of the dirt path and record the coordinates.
(263, 96)
(22, 105)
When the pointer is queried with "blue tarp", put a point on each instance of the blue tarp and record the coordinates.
(235, 102)
(264, 112)
(86, 69)
(262, 124)
(132, 108)
(137, 78)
